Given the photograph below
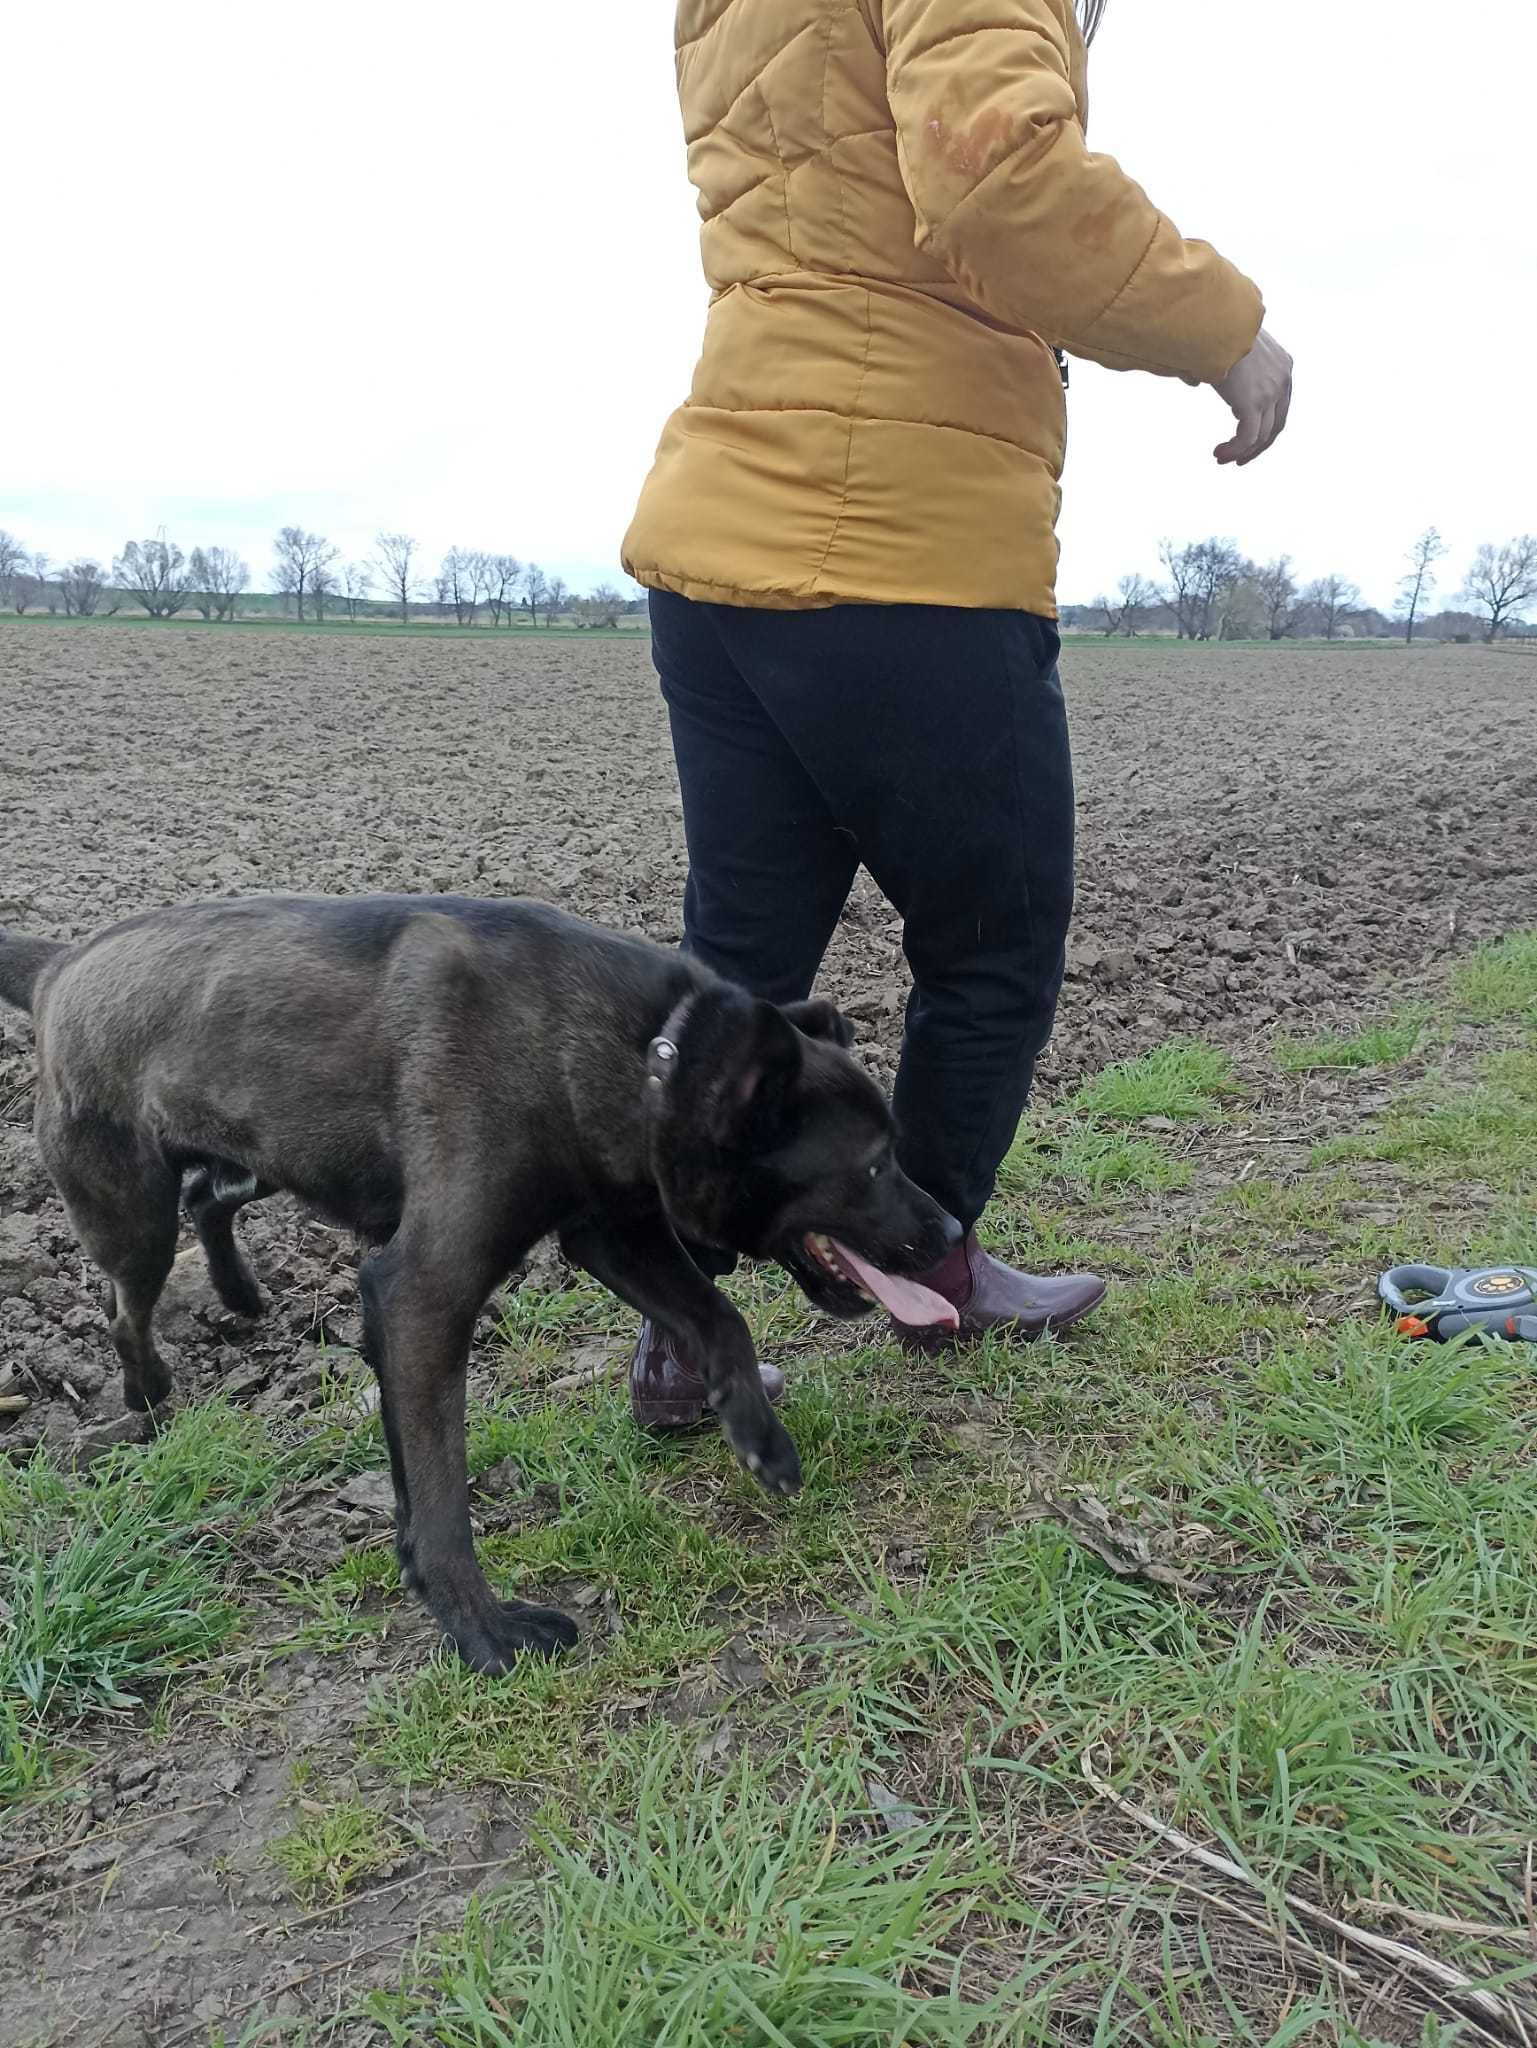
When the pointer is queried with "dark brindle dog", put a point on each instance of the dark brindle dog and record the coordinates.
(453, 1079)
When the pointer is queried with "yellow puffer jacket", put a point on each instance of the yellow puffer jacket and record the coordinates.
(901, 219)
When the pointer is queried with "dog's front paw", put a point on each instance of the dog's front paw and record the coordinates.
(495, 1640)
(766, 1448)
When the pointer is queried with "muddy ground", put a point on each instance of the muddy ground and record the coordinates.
(1264, 836)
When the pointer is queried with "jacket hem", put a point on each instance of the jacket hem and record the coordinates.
(783, 597)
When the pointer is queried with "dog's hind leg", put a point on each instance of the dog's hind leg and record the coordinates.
(421, 1296)
(121, 1197)
(643, 1263)
(213, 1197)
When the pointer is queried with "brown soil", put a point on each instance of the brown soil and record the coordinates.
(1257, 846)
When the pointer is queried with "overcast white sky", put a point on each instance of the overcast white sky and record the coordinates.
(365, 266)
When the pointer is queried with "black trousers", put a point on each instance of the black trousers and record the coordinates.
(931, 744)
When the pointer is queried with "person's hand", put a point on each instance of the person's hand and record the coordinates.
(1259, 389)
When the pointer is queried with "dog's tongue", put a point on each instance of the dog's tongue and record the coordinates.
(908, 1300)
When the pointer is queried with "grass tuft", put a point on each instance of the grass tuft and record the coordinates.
(1090, 1161)
(1184, 1079)
(1386, 1043)
(1500, 980)
(114, 1581)
(740, 1910)
(334, 1846)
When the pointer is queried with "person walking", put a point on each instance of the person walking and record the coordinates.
(848, 535)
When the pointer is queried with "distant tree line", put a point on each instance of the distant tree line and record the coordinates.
(471, 587)
(1211, 591)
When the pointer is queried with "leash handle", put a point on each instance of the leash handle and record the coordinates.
(1431, 1280)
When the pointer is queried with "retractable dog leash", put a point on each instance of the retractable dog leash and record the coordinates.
(1444, 1301)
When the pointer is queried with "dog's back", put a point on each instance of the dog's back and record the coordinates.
(305, 1039)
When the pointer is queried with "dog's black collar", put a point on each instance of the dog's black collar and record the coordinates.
(662, 1052)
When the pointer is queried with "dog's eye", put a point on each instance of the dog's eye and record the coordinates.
(877, 1170)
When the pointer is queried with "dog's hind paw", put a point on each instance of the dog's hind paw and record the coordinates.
(495, 1641)
(147, 1389)
(241, 1296)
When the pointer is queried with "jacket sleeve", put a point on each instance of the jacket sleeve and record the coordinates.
(1039, 232)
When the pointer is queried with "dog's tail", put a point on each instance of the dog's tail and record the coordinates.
(21, 962)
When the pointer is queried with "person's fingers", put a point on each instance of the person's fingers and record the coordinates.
(1263, 439)
(1237, 449)
(1284, 407)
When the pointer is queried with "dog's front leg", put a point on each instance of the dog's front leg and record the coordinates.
(418, 1325)
(644, 1264)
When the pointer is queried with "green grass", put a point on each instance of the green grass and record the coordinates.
(758, 1909)
(1500, 980)
(1181, 1080)
(111, 1583)
(334, 1846)
(1085, 1159)
(1482, 1130)
(1386, 1043)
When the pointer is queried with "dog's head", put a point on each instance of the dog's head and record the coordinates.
(770, 1141)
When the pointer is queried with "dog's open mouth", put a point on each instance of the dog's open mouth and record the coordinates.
(909, 1301)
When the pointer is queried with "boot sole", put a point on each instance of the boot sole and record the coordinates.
(936, 1339)
(667, 1419)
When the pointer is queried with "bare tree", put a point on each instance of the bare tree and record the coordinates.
(155, 574)
(1503, 581)
(1241, 609)
(13, 568)
(323, 584)
(1419, 579)
(459, 585)
(482, 576)
(503, 573)
(1138, 596)
(602, 608)
(42, 590)
(1201, 573)
(356, 581)
(1123, 612)
(219, 579)
(1328, 600)
(535, 590)
(1277, 589)
(81, 584)
(1181, 564)
(556, 598)
(299, 557)
(397, 567)
(1221, 568)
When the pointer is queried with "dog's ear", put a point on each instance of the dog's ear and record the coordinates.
(821, 1019)
(759, 1063)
